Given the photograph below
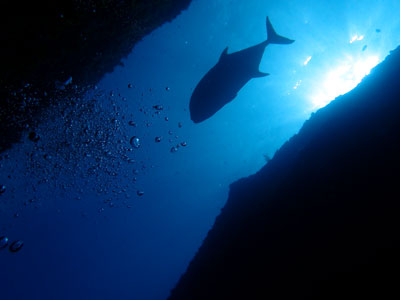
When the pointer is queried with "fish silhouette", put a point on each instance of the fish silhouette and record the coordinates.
(222, 83)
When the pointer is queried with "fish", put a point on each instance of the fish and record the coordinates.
(222, 82)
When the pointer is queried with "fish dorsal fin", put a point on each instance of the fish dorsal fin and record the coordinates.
(224, 54)
(260, 74)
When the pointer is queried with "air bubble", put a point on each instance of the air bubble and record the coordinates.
(33, 136)
(3, 242)
(135, 142)
(16, 246)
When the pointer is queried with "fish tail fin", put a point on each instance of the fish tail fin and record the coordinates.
(274, 38)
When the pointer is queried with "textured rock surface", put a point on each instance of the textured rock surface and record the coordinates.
(44, 43)
(321, 219)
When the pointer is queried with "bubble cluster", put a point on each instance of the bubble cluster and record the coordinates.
(96, 141)
(15, 246)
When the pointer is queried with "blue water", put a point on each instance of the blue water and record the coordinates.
(72, 197)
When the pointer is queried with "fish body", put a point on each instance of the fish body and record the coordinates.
(223, 81)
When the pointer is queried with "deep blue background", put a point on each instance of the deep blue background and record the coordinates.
(87, 235)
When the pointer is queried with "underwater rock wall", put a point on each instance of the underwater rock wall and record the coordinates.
(321, 219)
(50, 49)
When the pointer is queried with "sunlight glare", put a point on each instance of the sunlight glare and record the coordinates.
(356, 38)
(342, 80)
(307, 60)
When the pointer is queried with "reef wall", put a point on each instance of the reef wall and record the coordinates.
(50, 49)
(321, 219)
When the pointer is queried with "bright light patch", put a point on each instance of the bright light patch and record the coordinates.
(342, 80)
(356, 38)
(297, 84)
(307, 60)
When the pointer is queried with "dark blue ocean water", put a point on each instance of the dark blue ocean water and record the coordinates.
(74, 197)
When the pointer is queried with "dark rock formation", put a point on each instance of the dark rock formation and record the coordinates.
(45, 43)
(321, 219)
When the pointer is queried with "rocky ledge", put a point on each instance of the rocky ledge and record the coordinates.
(50, 49)
(321, 219)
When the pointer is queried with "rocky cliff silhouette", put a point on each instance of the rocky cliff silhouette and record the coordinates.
(45, 44)
(321, 219)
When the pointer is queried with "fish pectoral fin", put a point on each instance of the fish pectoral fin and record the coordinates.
(260, 74)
